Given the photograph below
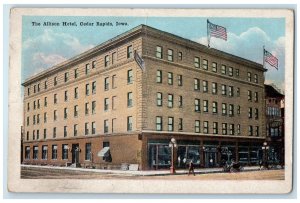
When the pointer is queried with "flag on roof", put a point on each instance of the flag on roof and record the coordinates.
(216, 31)
(270, 59)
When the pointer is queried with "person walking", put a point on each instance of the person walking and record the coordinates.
(191, 167)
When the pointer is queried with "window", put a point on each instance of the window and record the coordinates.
(129, 76)
(33, 135)
(87, 108)
(159, 76)
(250, 130)
(44, 152)
(113, 103)
(38, 104)
(180, 56)
(55, 98)
(230, 91)
(159, 51)
(223, 69)
(249, 95)
(66, 96)
(94, 87)
(129, 123)
(28, 91)
(170, 55)
(255, 78)
(106, 61)
(54, 151)
(224, 109)
(76, 73)
(256, 96)
(45, 117)
(170, 78)
(170, 100)
(45, 102)
(215, 107)
(238, 129)
(38, 119)
(159, 99)
(87, 89)
(205, 64)
(55, 80)
(105, 126)
(249, 77)
(55, 115)
(180, 124)
(66, 76)
(28, 121)
(197, 126)
(54, 132)
(205, 105)
(129, 99)
(231, 110)
(76, 92)
(197, 105)
(93, 64)
(113, 121)
(106, 83)
(45, 133)
(231, 129)
(65, 131)
(93, 128)
(214, 88)
(93, 107)
(38, 87)
(179, 77)
(214, 67)
(87, 69)
(28, 106)
(34, 89)
(205, 86)
(230, 71)
(159, 123)
(256, 131)
(27, 135)
(180, 101)
(38, 134)
(46, 84)
(113, 81)
(76, 111)
(33, 119)
(237, 72)
(256, 113)
(237, 91)
(129, 51)
(27, 152)
(196, 84)
(238, 109)
(75, 129)
(65, 113)
(249, 112)
(64, 154)
(224, 128)
(170, 123)
(35, 152)
(197, 62)
(106, 103)
(205, 127)
(88, 151)
(114, 58)
(86, 128)
(215, 127)
(224, 92)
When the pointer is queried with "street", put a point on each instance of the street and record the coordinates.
(42, 173)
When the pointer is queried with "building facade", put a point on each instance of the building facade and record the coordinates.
(101, 109)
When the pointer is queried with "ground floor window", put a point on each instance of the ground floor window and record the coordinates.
(27, 152)
(65, 151)
(54, 151)
(44, 152)
(35, 152)
(88, 151)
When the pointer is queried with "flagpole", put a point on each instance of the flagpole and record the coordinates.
(264, 63)
(208, 36)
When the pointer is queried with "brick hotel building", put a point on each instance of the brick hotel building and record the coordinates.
(100, 109)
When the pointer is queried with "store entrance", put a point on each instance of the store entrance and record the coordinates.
(210, 157)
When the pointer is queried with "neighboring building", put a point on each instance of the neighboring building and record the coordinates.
(275, 124)
(101, 109)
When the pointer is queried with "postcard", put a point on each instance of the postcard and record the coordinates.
(151, 101)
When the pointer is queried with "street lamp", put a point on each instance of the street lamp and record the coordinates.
(265, 149)
(172, 145)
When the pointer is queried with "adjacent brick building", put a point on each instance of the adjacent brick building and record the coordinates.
(101, 109)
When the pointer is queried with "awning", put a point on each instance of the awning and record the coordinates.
(103, 152)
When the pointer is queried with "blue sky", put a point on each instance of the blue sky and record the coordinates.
(43, 47)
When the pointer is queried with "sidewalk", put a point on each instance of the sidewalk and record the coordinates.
(139, 173)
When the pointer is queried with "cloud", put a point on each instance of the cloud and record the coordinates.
(49, 49)
(249, 45)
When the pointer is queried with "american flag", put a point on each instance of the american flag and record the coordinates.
(270, 59)
(217, 31)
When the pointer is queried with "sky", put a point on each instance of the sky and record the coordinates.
(46, 46)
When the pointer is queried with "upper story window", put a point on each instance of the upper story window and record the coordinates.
(230, 71)
(215, 107)
(106, 61)
(205, 64)
(159, 126)
(250, 130)
(55, 98)
(28, 91)
(238, 91)
(197, 105)
(170, 100)
(223, 69)
(129, 99)
(66, 76)
(214, 67)
(214, 88)
(114, 58)
(170, 55)
(249, 95)
(205, 86)
(196, 84)
(93, 64)
(224, 90)
(205, 127)
(159, 76)
(170, 123)
(38, 87)
(159, 51)
(34, 89)
(180, 101)
(106, 83)
(249, 76)
(55, 81)
(46, 84)
(159, 99)
(180, 56)
(66, 96)
(76, 93)
(129, 51)
(87, 89)
(129, 123)
(87, 69)
(197, 126)
(237, 72)
(94, 87)
(106, 103)
(197, 62)
(256, 96)
(230, 91)
(76, 73)
(129, 76)
(179, 80)
(170, 78)
(255, 78)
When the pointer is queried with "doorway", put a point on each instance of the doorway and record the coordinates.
(75, 153)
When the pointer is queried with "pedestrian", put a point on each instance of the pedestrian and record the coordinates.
(191, 167)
